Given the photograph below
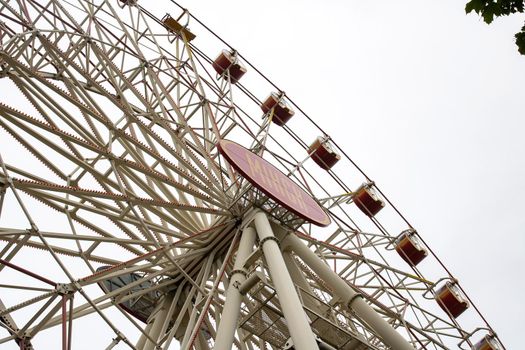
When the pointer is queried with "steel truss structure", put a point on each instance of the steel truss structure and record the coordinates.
(123, 227)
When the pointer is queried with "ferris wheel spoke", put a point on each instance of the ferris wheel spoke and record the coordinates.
(58, 15)
(168, 169)
(198, 155)
(86, 105)
(202, 147)
(33, 135)
(7, 232)
(189, 216)
(96, 207)
(33, 225)
(68, 252)
(83, 222)
(182, 224)
(71, 138)
(34, 151)
(197, 179)
(163, 181)
(40, 101)
(209, 121)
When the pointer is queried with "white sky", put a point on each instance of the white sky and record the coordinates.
(432, 103)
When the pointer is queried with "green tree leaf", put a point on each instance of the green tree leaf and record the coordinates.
(520, 40)
(474, 5)
(488, 9)
(488, 16)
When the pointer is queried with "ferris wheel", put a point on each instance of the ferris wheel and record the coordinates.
(159, 192)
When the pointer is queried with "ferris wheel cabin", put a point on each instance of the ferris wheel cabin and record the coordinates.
(410, 247)
(140, 306)
(175, 27)
(367, 200)
(276, 108)
(488, 342)
(228, 66)
(451, 299)
(323, 154)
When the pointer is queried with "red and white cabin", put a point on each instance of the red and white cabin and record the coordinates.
(451, 299)
(323, 154)
(367, 200)
(488, 342)
(281, 111)
(410, 247)
(229, 67)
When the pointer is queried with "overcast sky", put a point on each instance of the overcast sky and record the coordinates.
(432, 105)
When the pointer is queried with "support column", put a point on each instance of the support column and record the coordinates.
(299, 279)
(157, 324)
(350, 298)
(232, 305)
(292, 308)
(142, 340)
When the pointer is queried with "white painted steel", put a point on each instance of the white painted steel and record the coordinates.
(292, 308)
(231, 309)
(157, 324)
(349, 297)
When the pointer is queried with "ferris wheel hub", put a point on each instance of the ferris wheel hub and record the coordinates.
(271, 181)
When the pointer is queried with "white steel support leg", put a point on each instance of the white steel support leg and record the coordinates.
(299, 279)
(350, 298)
(160, 317)
(232, 305)
(292, 308)
(142, 340)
